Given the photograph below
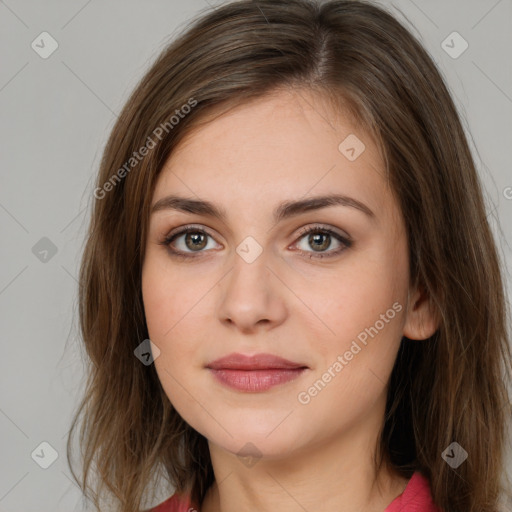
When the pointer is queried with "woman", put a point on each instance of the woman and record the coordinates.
(339, 340)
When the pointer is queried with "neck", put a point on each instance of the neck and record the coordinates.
(337, 474)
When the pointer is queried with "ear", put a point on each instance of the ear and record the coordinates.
(422, 319)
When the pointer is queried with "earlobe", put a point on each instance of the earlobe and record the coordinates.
(422, 319)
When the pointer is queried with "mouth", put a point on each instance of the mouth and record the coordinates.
(256, 373)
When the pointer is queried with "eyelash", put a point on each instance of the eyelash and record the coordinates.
(306, 231)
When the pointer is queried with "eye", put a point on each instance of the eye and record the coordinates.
(320, 239)
(193, 239)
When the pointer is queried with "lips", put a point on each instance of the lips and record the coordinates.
(256, 373)
(256, 362)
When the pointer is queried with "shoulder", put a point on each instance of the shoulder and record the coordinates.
(415, 498)
(176, 503)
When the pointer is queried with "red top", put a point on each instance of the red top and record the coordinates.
(415, 498)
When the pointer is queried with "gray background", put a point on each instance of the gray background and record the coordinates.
(56, 116)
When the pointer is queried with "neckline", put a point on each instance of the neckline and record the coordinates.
(416, 488)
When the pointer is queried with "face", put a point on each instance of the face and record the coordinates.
(332, 301)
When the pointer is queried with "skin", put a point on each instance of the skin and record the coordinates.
(287, 303)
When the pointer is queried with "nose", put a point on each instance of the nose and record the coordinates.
(251, 297)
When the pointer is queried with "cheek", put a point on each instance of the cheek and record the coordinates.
(365, 314)
(165, 307)
(172, 306)
(361, 295)
(167, 296)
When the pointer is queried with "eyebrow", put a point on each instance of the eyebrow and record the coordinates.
(283, 211)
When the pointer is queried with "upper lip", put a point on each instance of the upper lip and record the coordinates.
(256, 362)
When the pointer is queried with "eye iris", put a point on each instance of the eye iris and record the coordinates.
(195, 237)
(317, 238)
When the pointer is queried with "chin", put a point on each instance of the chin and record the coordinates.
(255, 439)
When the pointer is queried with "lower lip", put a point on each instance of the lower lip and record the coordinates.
(256, 380)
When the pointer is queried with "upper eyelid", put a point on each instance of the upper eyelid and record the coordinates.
(182, 230)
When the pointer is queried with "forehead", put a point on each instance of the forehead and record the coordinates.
(287, 145)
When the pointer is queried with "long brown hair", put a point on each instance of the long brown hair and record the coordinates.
(449, 388)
